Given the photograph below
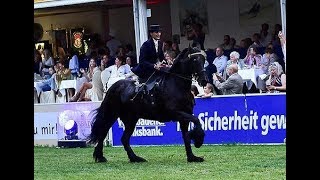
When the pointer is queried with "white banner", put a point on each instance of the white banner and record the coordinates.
(50, 120)
(45, 125)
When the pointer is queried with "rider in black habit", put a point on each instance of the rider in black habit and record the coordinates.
(151, 55)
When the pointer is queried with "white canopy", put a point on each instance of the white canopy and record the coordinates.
(55, 3)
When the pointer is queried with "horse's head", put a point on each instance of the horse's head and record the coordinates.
(197, 59)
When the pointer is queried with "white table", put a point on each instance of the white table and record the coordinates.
(250, 75)
(66, 84)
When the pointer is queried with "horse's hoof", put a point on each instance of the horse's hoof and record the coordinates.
(137, 159)
(195, 159)
(101, 159)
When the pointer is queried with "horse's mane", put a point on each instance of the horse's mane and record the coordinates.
(182, 56)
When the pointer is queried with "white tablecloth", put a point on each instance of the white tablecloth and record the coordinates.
(250, 74)
(65, 84)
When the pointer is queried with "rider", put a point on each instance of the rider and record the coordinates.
(151, 55)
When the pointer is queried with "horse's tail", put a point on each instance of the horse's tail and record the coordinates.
(100, 124)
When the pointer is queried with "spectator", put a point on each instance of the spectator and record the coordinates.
(112, 44)
(267, 58)
(233, 43)
(105, 62)
(233, 85)
(226, 45)
(37, 66)
(50, 83)
(169, 57)
(120, 70)
(277, 79)
(80, 95)
(266, 37)
(234, 59)
(256, 38)
(194, 90)
(47, 62)
(252, 58)
(208, 91)
(175, 48)
(167, 46)
(220, 61)
(74, 64)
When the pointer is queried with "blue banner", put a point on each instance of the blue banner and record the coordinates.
(243, 119)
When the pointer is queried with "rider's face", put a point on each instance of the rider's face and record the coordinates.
(156, 35)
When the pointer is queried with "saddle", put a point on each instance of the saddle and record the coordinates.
(147, 89)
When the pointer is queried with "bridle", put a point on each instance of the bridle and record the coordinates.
(196, 73)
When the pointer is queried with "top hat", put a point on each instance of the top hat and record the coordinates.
(154, 28)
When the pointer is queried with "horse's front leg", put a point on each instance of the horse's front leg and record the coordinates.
(187, 143)
(197, 133)
(125, 139)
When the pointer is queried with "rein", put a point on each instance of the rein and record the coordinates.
(189, 56)
(181, 76)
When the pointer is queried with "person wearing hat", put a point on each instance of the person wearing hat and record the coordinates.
(151, 55)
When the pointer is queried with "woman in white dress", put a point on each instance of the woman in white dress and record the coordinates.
(80, 95)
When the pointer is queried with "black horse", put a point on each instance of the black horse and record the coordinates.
(169, 100)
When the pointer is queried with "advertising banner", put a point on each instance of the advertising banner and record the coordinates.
(63, 122)
(243, 119)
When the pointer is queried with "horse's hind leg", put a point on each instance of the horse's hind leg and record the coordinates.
(98, 153)
(98, 150)
(187, 143)
(130, 124)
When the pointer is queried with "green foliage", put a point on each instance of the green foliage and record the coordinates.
(164, 162)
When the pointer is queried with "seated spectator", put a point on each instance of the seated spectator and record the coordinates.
(37, 64)
(233, 43)
(256, 38)
(47, 62)
(226, 45)
(62, 73)
(130, 60)
(167, 46)
(105, 62)
(234, 59)
(220, 61)
(266, 36)
(267, 58)
(275, 35)
(207, 90)
(233, 85)
(175, 48)
(120, 70)
(74, 64)
(80, 95)
(130, 52)
(50, 83)
(277, 79)
(169, 57)
(252, 58)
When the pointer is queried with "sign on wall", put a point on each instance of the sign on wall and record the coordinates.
(225, 120)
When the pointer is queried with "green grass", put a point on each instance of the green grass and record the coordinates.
(164, 162)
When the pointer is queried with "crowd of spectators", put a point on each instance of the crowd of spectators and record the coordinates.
(265, 51)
